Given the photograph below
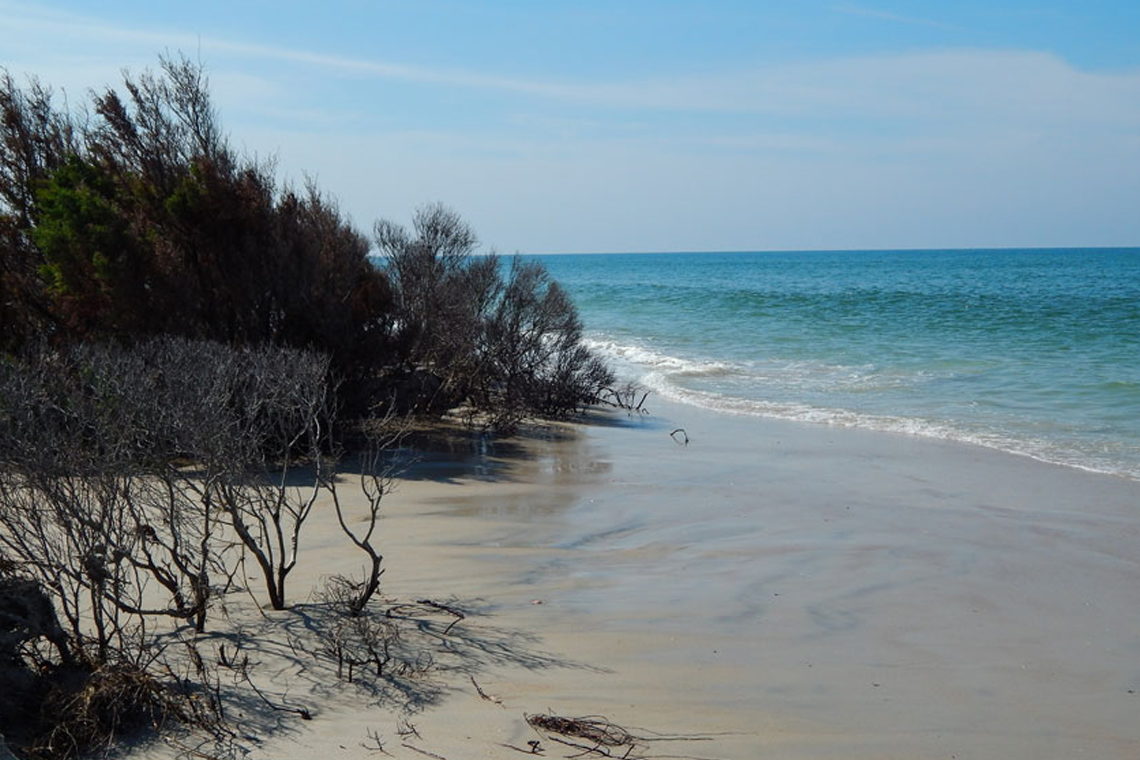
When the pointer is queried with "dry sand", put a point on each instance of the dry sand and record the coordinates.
(782, 590)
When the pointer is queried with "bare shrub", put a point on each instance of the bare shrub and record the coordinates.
(354, 639)
(131, 480)
(100, 708)
(352, 596)
(269, 457)
(628, 396)
(53, 705)
(127, 475)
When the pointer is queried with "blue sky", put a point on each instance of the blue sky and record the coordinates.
(603, 125)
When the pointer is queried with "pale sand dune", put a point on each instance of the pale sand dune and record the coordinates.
(787, 591)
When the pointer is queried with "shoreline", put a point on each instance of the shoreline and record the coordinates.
(938, 432)
(772, 588)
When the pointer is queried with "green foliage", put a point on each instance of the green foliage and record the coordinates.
(90, 259)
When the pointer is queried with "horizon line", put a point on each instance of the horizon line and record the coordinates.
(838, 250)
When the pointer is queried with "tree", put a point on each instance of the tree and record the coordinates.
(35, 139)
(141, 219)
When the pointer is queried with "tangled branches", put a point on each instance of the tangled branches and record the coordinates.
(598, 736)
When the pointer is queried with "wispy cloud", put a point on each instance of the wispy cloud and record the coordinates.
(19, 21)
(957, 85)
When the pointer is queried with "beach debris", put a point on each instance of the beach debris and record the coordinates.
(483, 694)
(626, 397)
(535, 745)
(601, 735)
(683, 440)
(377, 743)
(423, 751)
(459, 615)
(283, 706)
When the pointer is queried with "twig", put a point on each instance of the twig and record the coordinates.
(423, 751)
(594, 728)
(684, 436)
(602, 737)
(303, 712)
(484, 694)
(535, 748)
(596, 749)
(374, 736)
(445, 608)
(189, 751)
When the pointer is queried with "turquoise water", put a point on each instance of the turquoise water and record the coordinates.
(1035, 352)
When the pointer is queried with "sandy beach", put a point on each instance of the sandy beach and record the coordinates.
(771, 589)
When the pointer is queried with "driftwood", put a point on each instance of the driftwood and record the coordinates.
(423, 751)
(483, 694)
(599, 736)
(591, 728)
(629, 397)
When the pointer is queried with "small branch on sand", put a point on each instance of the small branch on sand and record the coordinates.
(444, 608)
(301, 711)
(423, 751)
(484, 694)
(534, 744)
(600, 737)
(377, 744)
(592, 728)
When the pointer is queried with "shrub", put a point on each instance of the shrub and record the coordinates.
(504, 339)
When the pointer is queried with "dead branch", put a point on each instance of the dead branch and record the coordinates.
(484, 694)
(629, 397)
(534, 744)
(596, 749)
(377, 744)
(459, 615)
(597, 729)
(300, 711)
(601, 737)
(423, 751)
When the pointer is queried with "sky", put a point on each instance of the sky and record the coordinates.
(665, 125)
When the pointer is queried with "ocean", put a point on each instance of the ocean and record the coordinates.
(1033, 352)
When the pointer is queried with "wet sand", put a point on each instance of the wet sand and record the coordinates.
(784, 590)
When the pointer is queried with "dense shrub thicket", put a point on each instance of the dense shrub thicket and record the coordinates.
(140, 219)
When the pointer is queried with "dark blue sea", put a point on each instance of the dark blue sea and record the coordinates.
(1035, 352)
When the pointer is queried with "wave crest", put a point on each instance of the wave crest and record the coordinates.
(647, 358)
(671, 377)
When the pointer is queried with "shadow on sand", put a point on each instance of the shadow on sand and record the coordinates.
(274, 671)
